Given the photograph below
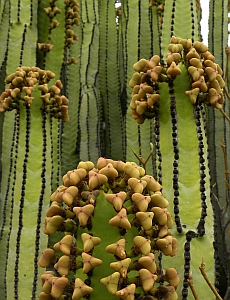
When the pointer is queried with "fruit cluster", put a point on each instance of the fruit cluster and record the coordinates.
(205, 76)
(111, 211)
(22, 85)
(71, 19)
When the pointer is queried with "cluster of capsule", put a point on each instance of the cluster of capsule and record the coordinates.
(145, 88)
(138, 205)
(71, 19)
(155, 3)
(206, 77)
(51, 11)
(22, 85)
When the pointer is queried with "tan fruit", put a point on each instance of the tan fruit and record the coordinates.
(116, 200)
(136, 79)
(193, 94)
(172, 277)
(154, 61)
(213, 96)
(215, 84)
(63, 265)
(196, 63)
(152, 184)
(175, 39)
(200, 83)
(163, 231)
(137, 185)
(165, 245)
(221, 81)
(54, 210)
(121, 220)
(141, 107)
(127, 293)
(89, 241)
(90, 262)
(142, 244)
(109, 171)
(119, 165)
(58, 286)
(87, 165)
(145, 219)
(192, 54)
(152, 99)
(157, 199)
(173, 57)
(132, 104)
(117, 248)
(96, 179)
(148, 262)
(141, 201)
(131, 170)
(200, 47)
(175, 48)
(69, 195)
(121, 266)
(186, 43)
(144, 89)
(195, 72)
(160, 214)
(208, 56)
(76, 175)
(173, 70)
(66, 181)
(141, 65)
(111, 282)
(210, 63)
(81, 289)
(155, 72)
(83, 213)
(64, 245)
(47, 257)
(211, 73)
(147, 279)
(52, 223)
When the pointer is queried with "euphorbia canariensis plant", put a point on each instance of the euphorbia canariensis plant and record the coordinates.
(36, 149)
(111, 225)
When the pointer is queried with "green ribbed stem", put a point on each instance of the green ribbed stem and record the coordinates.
(219, 134)
(187, 194)
(27, 165)
(139, 36)
(26, 201)
(109, 82)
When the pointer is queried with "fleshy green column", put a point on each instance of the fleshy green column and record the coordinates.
(24, 193)
(182, 153)
(218, 136)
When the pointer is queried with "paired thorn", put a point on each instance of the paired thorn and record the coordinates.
(202, 270)
(141, 160)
